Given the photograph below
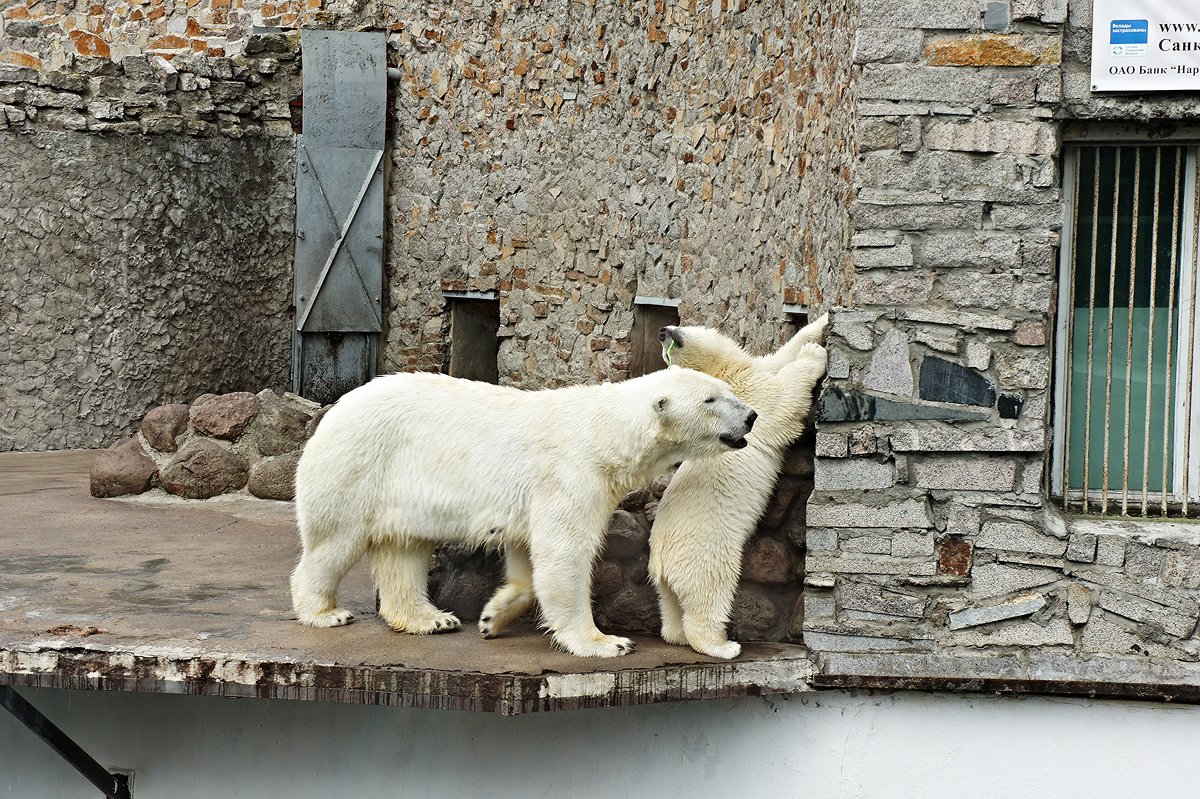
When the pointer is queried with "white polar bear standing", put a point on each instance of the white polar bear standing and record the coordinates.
(409, 460)
(711, 508)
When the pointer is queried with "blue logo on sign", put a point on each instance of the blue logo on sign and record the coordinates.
(1129, 31)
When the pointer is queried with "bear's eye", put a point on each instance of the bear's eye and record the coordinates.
(710, 399)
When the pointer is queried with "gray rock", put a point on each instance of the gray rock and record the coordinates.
(280, 426)
(464, 594)
(1081, 548)
(225, 416)
(163, 425)
(607, 578)
(1079, 604)
(627, 536)
(901, 513)
(767, 561)
(786, 491)
(755, 612)
(1010, 609)
(857, 473)
(891, 372)
(1019, 538)
(947, 381)
(275, 478)
(122, 469)
(633, 609)
(204, 469)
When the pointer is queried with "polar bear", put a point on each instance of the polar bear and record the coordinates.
(711, 508)
(409, 460)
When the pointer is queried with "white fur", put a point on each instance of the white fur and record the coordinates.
(711, 508)
(409, 460)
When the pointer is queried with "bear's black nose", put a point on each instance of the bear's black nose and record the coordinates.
(670, 332)
(750, 419)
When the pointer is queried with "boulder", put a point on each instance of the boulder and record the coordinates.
(124, 468)
(204, 469)
(225, 416)
(281, 425)
(275, 478)
(162, 426)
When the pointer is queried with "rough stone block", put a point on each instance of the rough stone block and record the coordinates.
(859, 336)
(887, 45)
(997, 16)
(986, 50)
(1081, 548)
(1027, 634)
(862, 441)
(979, 355)
(1181, 571)
(947, 381)
(976, 289)
(950, 439)
(836, 405)
(867, 545)
(627, 536)
(280, 425)
(1009, 405)
(900, 256)
(1079, 604)
(954, 556)
(857, 473)
(1019, 537)
(225, 416)
(1023, 369)
(995, 579)
(938, 338)
(203, 469)
(767, 561)
(992, 136)
(913, 513)
(161, 426)
(1175, 623)
(919, 217)
(274, 478)
(963, 519)
(1016, 607)
(936, 14)
(956, 473)
(912, 545)
(960, 319)
(122, 469)
(821, 540)
(874, 599)
(1110, 550)
(832, 445)
(890, 288)
(839, 367)
(1174, 600)
(890, 371)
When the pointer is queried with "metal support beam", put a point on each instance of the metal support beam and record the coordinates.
(113, 786)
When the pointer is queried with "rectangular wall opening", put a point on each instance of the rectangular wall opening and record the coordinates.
(650, 314)
(474, 344)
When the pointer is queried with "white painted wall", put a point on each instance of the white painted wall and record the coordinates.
(828, 746)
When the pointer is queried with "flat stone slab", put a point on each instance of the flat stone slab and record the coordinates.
(160, 594)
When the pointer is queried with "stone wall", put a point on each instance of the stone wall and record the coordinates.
(147, 238)
(570, 157)
(932, 552)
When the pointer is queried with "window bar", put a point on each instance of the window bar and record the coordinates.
(1112, 287)
(1087, 399)
(1191, 339)
(1135, 216)
(1150, 342)
(1166, 459)
(1066, 450)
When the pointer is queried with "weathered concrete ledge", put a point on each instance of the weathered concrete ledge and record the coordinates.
(182, 596)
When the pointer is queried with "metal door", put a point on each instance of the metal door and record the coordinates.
(338, 291)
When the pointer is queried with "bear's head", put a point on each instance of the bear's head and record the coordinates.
(699, 413)
(703, 349)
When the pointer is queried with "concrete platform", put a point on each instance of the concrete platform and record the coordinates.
(191, 597)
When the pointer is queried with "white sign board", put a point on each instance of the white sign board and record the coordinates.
(1146, 45)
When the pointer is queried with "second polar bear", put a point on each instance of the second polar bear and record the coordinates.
(711, 508)
(409, 460)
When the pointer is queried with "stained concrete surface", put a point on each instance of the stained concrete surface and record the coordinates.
(191, 597)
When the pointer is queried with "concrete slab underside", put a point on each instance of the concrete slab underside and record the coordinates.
(191, 597)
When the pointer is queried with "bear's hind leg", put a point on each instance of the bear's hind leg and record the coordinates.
(400, 568)
(315, 581)
(513, 599)
(672, 614)
(706, 595)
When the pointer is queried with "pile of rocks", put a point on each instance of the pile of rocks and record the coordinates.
(218, 444)
(767, 607)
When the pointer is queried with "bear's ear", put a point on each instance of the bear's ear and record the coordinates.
(660, 404)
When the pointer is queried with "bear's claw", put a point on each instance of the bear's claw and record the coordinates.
(334, 618)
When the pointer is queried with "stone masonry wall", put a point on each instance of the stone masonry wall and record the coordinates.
(146, 231)
(931, 550)
(570, 157)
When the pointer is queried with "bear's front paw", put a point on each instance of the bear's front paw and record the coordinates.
(726, 650)
(815, 354)
(439, 622)
(601, 646)
(334, 618)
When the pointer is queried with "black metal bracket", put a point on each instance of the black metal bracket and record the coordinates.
(113, 786)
